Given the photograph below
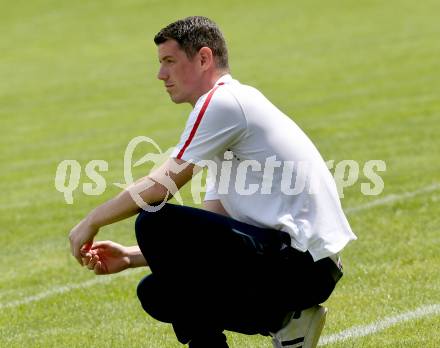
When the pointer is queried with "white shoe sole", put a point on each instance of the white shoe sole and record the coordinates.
(315, 329)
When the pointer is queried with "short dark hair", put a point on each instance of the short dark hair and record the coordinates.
(193, 33)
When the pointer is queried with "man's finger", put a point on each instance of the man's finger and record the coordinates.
(85, 260)
(77, 256)
(92, 262)
(76, 251)
(89, 253)
(86, 246)
(99, 268)
(99, 244)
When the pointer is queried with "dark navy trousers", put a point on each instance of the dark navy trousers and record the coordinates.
(211, 273)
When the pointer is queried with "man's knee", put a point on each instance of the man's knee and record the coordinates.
(153, 299)
(144, 290)
(148, 223)
(143, 220)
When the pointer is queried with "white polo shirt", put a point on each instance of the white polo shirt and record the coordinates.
(263, 168)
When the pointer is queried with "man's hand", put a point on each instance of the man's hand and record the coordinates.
(107, 257)
(81, 238)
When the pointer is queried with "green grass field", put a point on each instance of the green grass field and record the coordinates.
(77, 81)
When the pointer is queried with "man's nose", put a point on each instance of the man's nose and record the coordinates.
(162, 74)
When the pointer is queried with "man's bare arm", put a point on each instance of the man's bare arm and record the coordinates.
(136, 257)
(123, 205)
(174, 172)
(215, 206)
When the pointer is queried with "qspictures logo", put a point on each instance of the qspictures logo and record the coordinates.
(290, 177)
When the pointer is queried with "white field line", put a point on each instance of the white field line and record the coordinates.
(393, 198)
(66, 288)
(365, 330)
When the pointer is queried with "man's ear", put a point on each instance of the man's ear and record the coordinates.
(206, 58)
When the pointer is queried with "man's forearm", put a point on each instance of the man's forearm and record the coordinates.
(136, 258)
(162, 184)
(123, 206)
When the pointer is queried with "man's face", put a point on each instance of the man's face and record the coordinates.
(180, 74)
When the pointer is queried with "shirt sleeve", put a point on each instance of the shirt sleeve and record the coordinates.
(216, 122)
